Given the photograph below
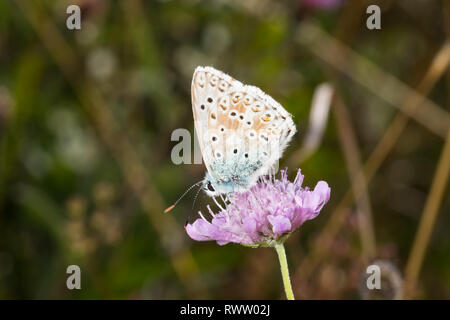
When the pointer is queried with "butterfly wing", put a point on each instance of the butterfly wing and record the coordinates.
(208, 84)
(242, 131)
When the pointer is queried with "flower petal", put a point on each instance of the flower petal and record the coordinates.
(200, 230)
(279, 224)
(323, 191)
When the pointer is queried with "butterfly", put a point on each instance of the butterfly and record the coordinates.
(242, 131)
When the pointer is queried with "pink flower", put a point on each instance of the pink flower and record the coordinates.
(263, 216)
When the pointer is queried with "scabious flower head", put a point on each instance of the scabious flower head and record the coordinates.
(263, 216)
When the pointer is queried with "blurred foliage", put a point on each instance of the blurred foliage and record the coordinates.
(64, 193)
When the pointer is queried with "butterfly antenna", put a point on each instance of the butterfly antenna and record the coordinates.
(176, 202)
(196, 195)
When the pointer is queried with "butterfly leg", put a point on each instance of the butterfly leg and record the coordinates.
(232, 204)
(218, 204)
(257, 199)
(225, 203)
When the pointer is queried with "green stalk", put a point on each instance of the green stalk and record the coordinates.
(284, 271)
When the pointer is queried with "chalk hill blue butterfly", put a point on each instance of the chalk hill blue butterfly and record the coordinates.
(242, 131)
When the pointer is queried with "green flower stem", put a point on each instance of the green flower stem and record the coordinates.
(284, 271)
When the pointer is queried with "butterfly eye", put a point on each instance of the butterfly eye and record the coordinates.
(210, 187)
(241, 117)
(202, 107)
(222, 129)
(218, 155)
(214, 138)
(210, 100)
(252, 134)
(213, 116)
(249, 123)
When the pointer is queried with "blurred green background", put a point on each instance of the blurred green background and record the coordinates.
(86, 118)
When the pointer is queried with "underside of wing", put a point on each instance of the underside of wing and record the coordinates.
(241, 130)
